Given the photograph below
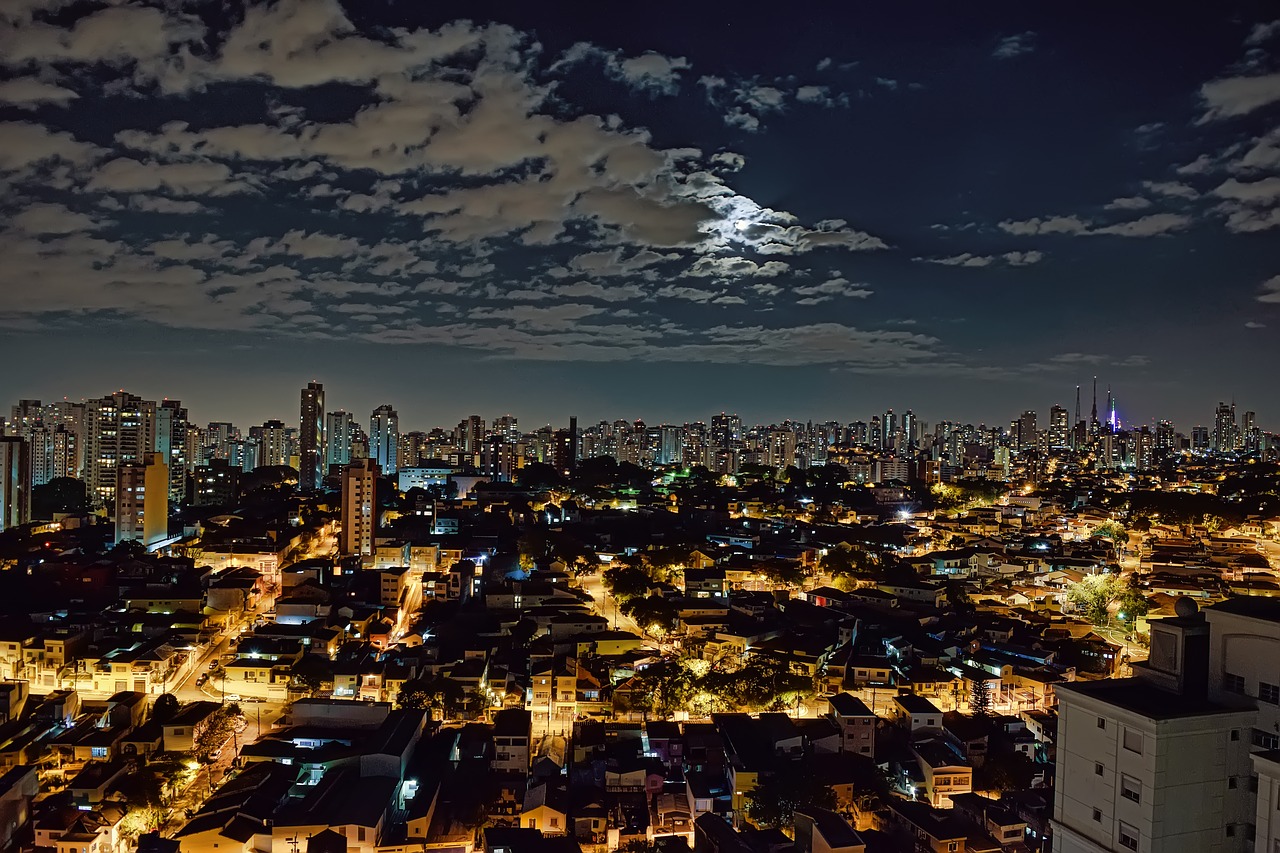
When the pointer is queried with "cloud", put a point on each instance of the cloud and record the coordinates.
(48, 218)
(1248, 220)
(1264, 192)
(1270, 290)
(1013, 46)
(963, 260)
(1022, 259)
(442, 160)
(649, 72)
(1253, 324)
(1236, 96)
(818, 293)
(967, 259)
(1128, 203)
(30, 92)
(1046, 225)
(1147, 226)
(24, 144)
(745, 102)
(1262, 33)
(125, 174)
(1171, 189)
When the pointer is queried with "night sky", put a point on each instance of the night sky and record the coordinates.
(642, 210)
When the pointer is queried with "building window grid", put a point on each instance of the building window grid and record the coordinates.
(1130, 788)
(1269, 693)
(1128, 836)
(1233, 683)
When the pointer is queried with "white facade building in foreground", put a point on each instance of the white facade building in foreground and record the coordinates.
(1185, 756)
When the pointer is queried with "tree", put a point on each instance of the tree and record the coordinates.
(1097, 595)
(433, 692)
(164, 708)
(61, 494)
(777, 796)
(625, 583)
(1004, 770)
(654, 614)
(980, 698)
(215, 732)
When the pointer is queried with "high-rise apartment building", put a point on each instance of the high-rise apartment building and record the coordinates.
(508, 427)
(1200, 438)
(119, 428)
(311, 443)
(273, 445)
(671, 445)
(337, 438)
(1025, 431)
(1059, 428)
(384, 438)
(218, 437)
(15, 482)
(172, 426)
(359, 481)
(244, 453)
(470, 434)
(1183, 757)
(910, 430)
(142, 500)
(412, 450)
(55, 451)
(1224, 428)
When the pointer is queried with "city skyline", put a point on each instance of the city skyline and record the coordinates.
(363, 416)
(646, 218)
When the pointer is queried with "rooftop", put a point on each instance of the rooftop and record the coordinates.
(1144, 699)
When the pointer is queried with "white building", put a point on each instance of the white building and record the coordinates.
(1161, 762)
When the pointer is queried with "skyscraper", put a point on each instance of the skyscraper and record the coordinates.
(142, 500)
(471, 434)
(119, 428)
(272, 445)
(171, 442)
(359, 481)
(910, 430)
(1059, 429)
(311, 445)
(15, 482)
(384, 438)
(1026, 427)
(337, 438)
(1224, 428)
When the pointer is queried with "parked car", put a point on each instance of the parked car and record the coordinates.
(201, 679)
(232, 697)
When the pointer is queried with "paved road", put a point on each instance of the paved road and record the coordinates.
(607, 606)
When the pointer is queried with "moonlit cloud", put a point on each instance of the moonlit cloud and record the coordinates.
(1014, 46)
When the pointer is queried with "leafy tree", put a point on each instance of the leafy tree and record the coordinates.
(782, 572)
(311, 672)
(431, 693)
(61, 494)
(532, 546)
(654, 614)
(791, 787)
(980, 698)
(625, 583)
(164, 708)
(215, 732)
(1004, 770)
(537, 474)
(1096, 595)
